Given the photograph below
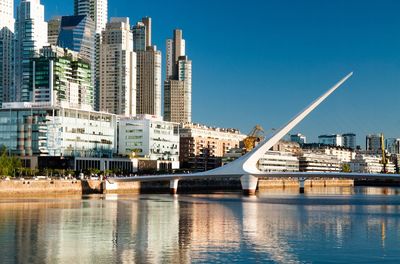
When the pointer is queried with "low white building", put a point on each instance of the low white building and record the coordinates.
(150, 137)
(342, 154)
(315, 162)
(370, 164)
(275, 161)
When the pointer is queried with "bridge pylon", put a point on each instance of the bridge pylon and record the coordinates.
(173, 186)
(249, 184)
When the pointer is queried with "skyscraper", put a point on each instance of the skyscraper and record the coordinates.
(77, 33)
(30, 37)
(97, 10)
(148, 70)
(54, 26)
(178, 83)
(149, 81)
(142, 34)
(6, 49)
(118, 69)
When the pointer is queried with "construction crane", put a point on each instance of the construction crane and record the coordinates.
(255, 136)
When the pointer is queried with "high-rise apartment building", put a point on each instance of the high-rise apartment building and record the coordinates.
(61, 78)
(178, 83)
(118, 69)
(148, 70)
(6, 49)
(77, 33)
(97, 10)
(30, 37)
(149, 81)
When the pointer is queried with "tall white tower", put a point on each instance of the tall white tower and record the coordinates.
(30, 37)
(118, 69)
(7, 14)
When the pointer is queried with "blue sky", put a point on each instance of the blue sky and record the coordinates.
(262, 61)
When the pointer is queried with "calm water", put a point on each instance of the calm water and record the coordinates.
(340, 225)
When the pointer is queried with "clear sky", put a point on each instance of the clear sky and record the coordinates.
(262, 61)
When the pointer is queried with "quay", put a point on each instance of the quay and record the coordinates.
(32, 187)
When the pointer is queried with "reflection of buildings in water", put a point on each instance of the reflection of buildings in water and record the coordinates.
(267, 225)
(86, 233)
(126, 232)
(214, 227)
(157, 235)
(32, 228)
(261, 232)
(163, 229)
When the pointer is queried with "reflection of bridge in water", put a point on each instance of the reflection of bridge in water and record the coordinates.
(195, 228)
(246, 166)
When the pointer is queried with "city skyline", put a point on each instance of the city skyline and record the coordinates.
(301, 48)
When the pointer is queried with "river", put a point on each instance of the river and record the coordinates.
(325, 225)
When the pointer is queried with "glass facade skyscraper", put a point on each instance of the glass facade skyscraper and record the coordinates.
(30, 37)
(139, 36)
(97, 10)
(77, 33)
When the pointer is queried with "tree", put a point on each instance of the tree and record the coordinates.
(9, 165)
(346, 167)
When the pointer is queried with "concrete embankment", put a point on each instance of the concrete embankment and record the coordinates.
(201, 185)
(294, 183)
(220, 184)
(11, 188)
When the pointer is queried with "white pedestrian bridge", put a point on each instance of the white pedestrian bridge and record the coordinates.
(246, 166)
